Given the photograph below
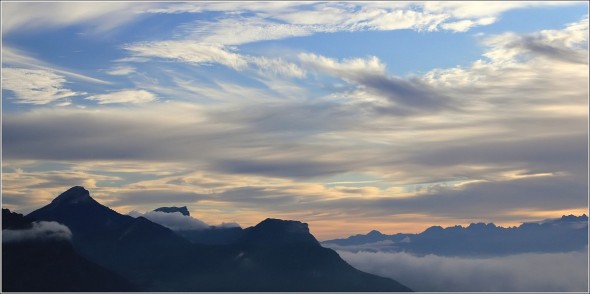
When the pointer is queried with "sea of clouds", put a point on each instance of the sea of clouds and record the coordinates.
(531, 272)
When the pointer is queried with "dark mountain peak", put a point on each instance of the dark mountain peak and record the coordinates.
(573, 218)
(434, 229)
(277, 231)
(283, 225)
(173, 209)
(374, 233)
(74, 195)
(481, 226)
(15, 221)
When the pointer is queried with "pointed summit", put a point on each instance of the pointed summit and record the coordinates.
(74, 195)
(374, 233)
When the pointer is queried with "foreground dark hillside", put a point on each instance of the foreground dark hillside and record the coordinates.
(50, 264)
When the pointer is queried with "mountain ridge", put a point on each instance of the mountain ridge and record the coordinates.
(275, 255)
(568, 233)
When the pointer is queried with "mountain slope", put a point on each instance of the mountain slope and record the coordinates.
(287, 255)
(136, 248)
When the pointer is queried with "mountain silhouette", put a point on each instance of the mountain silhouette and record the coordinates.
(279, 253)
(568, 233)
(279, 232)
(275, 255)
(182, 210)
(48, 264)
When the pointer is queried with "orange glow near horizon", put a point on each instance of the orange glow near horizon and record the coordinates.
(339, 227)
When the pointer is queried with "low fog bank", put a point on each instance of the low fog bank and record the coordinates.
(41, 230)
(532, 272)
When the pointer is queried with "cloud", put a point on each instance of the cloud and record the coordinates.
(566, 45)
(553, 272)
(466, 24)
(121, 70)
(189, 51)
(206, 42)
(100, 17)
(277, 21)
(188, 7)
(289, 168)
(40, 231)
(369, 74)
(475, 10)
(175, 221)
(243, 30)
(515, 138)
(125, 96)
(21, 59)
(476, 201)
(36, 86)
(154, 196)
(277, 66)
(207, 53)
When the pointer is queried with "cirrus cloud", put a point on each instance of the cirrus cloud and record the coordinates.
(125, 96)
(36, 86)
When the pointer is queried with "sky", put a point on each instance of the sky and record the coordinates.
(350, 116)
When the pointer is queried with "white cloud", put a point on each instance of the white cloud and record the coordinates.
(207, 42)
(347, 68)
(568, 44)
(483, 9)
(35, 86)
(175, 221)
(18, 58)
(404, 19)
(237, 31)
(271, 21)
(121, 70)
(524, 63)
(229, 6)
(466, 24)
(189, 51)
(100, 17)
(198, 53)
(278, 66)
(40, 231)
(126, 96)
(531, 272)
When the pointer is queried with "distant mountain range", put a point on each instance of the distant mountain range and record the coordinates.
(102, 250)
(568, 233)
